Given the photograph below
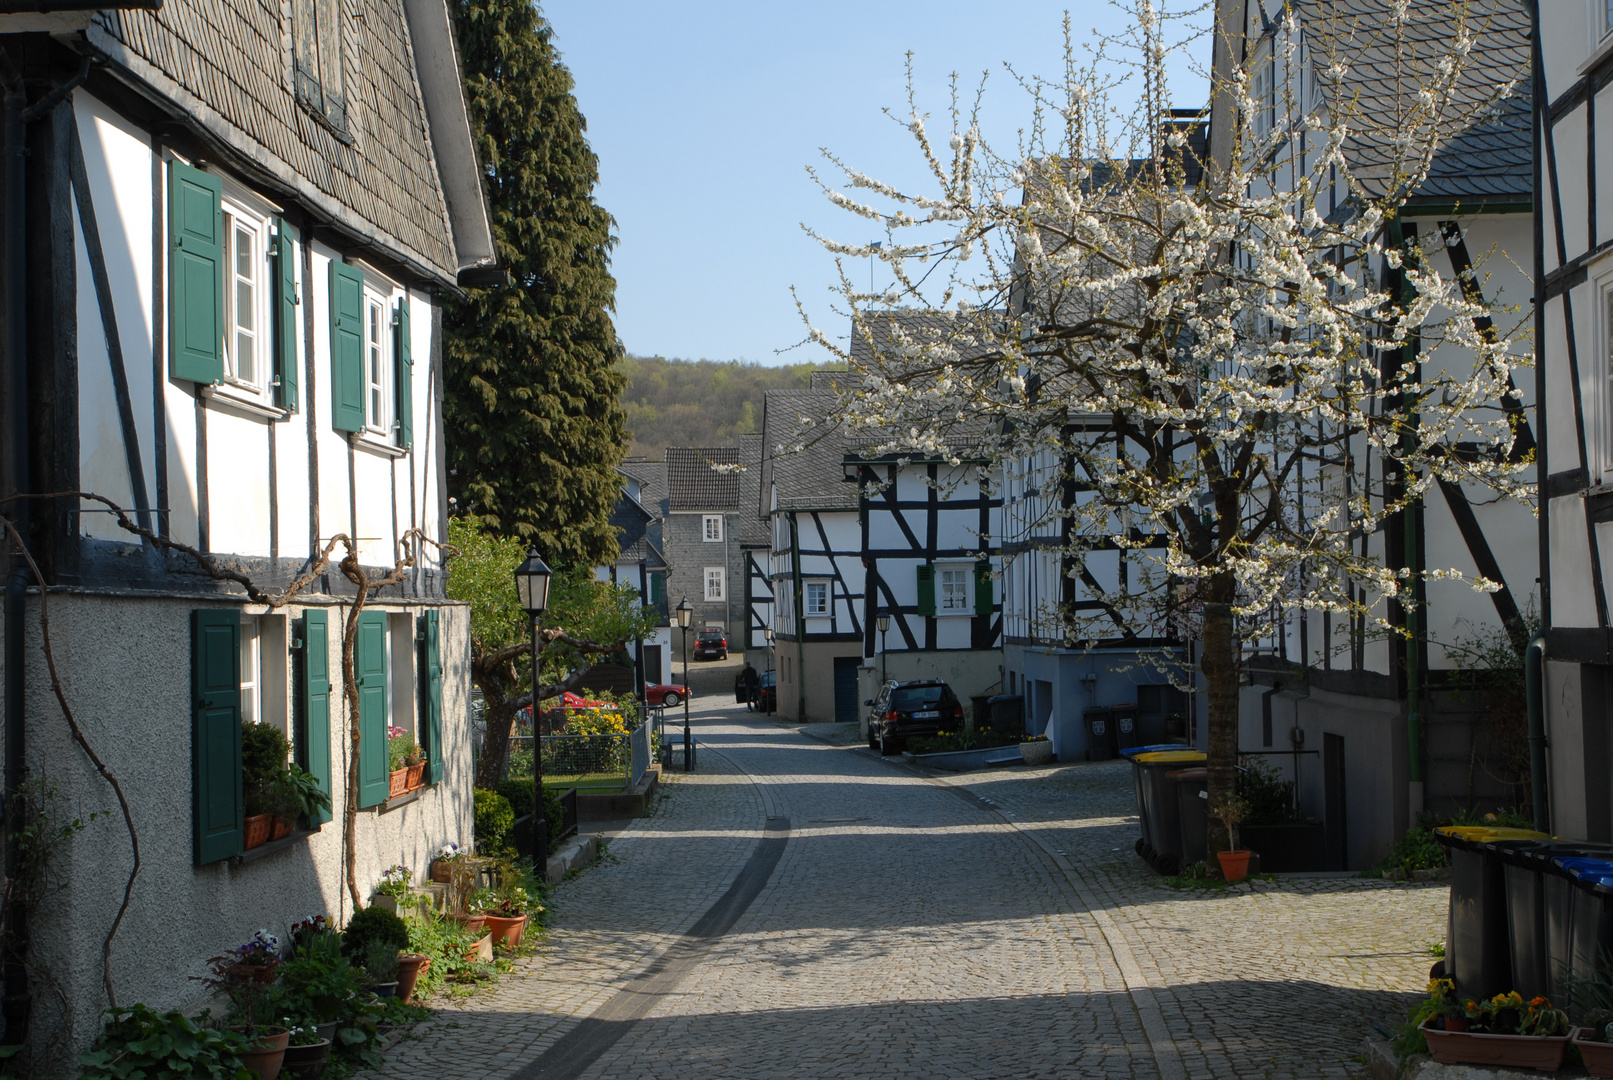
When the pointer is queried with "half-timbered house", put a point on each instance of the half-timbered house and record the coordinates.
(225, 262)
(756, 549)
(641, 566)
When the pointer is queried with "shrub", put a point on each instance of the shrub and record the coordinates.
(372, 924)
(494, 816)
(318, 988)
(140, 1042)
(1416, 850)
(264, 753)
(1268, 798)
(519, 794)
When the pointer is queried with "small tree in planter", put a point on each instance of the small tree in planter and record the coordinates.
(1229, 810)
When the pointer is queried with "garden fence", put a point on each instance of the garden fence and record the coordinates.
(640, 758)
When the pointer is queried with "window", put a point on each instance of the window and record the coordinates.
(245, 350)
(715, 583)
(817, 598)
(251, 673)
(711, 528)
(377, 365)
(1260, 93)
(1607, 16)
(316, 60)
(954, 591)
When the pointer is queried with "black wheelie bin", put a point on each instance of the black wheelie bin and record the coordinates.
(1162, 820)
(1478, 950)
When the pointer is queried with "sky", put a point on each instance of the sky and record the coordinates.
(705, 115)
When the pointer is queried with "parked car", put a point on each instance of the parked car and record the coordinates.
(666, 693)
(711, 645)
(767, 694)
(904, 709)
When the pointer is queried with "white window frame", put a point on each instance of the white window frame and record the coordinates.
(378, 348)
(251, 670)
(1601, 448)
(711, 528)
(815, 611)
(245, 213)
(953, 603)
(718, 576)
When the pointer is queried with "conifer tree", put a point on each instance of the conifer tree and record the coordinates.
(533, 412)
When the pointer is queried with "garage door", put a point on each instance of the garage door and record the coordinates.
(846, 689)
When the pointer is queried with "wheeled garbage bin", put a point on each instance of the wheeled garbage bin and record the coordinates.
(1126, 734)
(1137, 783)
(1526, 917)
(1099, 720)
(1162, 823)
(1193, 810)
(1555, 892)
(1478, 951)
(1008, 714)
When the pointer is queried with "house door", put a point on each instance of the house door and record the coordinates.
(652, 665)
(1338, 848)
(846, 689)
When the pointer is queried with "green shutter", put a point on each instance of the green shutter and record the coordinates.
(286, 352)
(215, 675)
(346, 346)
(313, 749)
(370, 670)
(926, 589)
(983, 597)
(403, 379)
(195, 275)
(434, 757)
(657, 588)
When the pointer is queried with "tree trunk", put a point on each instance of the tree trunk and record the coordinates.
(1219, 665)
(498, 718)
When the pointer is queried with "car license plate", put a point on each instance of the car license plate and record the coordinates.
(930, 714)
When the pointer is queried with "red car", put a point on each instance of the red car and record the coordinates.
(666, 693)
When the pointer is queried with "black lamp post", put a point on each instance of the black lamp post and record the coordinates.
(772, 649)
(883, 621)
(532, 586)
(685, 616)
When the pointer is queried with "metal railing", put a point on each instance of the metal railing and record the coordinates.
(639, 759)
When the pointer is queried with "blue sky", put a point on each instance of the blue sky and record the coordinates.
(705, 114)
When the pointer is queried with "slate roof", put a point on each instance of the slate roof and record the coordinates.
(753, 528)
(694, 482)
(811, 477)
(1490, 159)
(651, 476)
(225, 66)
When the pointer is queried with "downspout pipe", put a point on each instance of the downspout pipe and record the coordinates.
(1534, 689)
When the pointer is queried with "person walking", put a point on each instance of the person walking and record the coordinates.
(752, 682)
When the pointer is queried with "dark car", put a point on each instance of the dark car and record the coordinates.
(711, 645)
(767, 694)
(904, 709)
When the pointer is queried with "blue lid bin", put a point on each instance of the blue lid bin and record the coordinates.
(1556, 894)
(1590, 946)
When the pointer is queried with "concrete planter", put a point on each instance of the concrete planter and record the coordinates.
(1039, 752)
(966, 760)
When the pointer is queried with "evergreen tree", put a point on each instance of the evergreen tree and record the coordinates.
(533, 411)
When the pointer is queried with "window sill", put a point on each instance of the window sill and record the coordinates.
(274, 847)
(403, 800)
(374, 445)
(223, 396)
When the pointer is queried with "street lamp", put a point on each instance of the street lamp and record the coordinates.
(685, 616)
(772, 651)
(532, 587)
(883, 621)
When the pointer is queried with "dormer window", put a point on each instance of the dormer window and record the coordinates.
(316, 60)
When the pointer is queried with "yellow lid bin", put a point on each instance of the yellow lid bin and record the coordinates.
(1167, 757)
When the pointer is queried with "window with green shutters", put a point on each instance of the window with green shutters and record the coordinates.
(195, 275)
(403, 376)
(926, 589)
(286, 353)
(313, 736)
(216, 796)
(370, 670)
(346, 346)
(983, 595)
(433, 692)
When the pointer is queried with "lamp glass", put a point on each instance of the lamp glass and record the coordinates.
(532, 584)
(884, 621)
(685, 613)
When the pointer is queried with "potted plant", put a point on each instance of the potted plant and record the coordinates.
(1035, 750)
(507, 911)
(442, 867)
(472, 913)
(400, 751)
(416, 768)
(1229, 810)
(243, 975)
(1505, 1030)
(395, 885)
(381, 966)
(410, 967)
(264, 753)
(306, 1050)
(1594, 1041)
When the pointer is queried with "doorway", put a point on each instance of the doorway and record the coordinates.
(846, 688)
(1336, 837)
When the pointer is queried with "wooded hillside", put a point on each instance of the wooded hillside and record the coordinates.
(698, 402)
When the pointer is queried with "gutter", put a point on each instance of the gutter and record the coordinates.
(1534, 684)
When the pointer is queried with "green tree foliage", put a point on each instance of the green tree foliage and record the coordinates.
(587, 618)
(531, 386)
(667, 399)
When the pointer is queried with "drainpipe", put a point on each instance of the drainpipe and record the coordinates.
(800, 620)
(1534, 688)
(14, 476)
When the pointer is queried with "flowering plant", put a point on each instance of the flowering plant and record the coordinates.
(402, 751)
(302, 1034)
(261, 951)
(451, 851)
(395, 882)
(1034, 738)
(312, 930)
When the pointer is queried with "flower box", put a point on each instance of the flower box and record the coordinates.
(1476, 1048)
(282, 829)
(258, 828)
(1598, 1055)
(399, 785)
(417, 776)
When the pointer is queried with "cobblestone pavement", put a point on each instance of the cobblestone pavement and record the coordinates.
(984, 925)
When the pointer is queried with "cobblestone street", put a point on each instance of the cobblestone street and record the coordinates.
(802, 909)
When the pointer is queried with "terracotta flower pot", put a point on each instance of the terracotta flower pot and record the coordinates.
(306, 1062)
(410, 967)
(399, 785)
(1456, 1023)
(475, 924)
(417, 776)
(1476, 1048)
(506, 931)
(1234, 864)
(258, 828)
(264, 1058)
(1598, 1056)
(482, 950)
(282, 828)
(442, 872)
